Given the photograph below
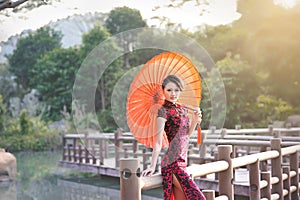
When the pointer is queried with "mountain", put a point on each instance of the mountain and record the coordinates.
(71, 27)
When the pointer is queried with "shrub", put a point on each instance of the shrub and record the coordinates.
(29, 134)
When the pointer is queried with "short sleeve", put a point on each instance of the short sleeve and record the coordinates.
(162, 113)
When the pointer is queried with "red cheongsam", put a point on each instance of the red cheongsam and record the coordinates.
(175, 159)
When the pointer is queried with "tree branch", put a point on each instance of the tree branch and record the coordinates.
(10, 4)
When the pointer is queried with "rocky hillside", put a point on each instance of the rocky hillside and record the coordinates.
(71, 27)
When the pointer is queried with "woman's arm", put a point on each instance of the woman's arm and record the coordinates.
(157, 146)
(196, 117)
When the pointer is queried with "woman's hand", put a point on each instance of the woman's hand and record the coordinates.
(149, 171)
(197, 116)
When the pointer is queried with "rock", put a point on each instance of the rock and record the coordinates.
(8, 166)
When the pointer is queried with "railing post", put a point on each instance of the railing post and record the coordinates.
(86, 151)
(130, 179)
(135, 148)
(75, 149)
(254, 181)
(86, 155)
(226, 177)
(106, 148)
(266, 192)
(144, 159)
(125, 153)
(216, 156)
(102, 151)
(271, 128)
(209, 194)
(294, 163)
(287, 182)
(223, 132)
(118, 133)
(64, 142)
(276, 167)
(69, 153)
(264, 163)
(80, 153)
(202, 149)
(276, 134)
(93, 154)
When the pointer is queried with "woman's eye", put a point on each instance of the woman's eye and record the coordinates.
(168, 90)
(176, 90)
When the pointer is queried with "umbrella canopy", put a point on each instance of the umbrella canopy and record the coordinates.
(145, 95)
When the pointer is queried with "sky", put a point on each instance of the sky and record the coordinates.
(219, 12)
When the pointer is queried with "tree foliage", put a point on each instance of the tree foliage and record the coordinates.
(53, 77)
(19, 5)
(8, 86)
(2, 114)
(28, 50)
(258, 61)
(242, 87)
(122, 19)
(106, 83)
(270, 50)
(272, 45)
(270, 109)
(220, 40)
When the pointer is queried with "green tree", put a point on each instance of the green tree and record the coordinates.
(23, 4)
(123, 19)
(8, 85)
(269, 109)
(24, 122)
(28, 50)
(111, 74)
(2, 115)
(272, 45)
(53, 77)
(242, 87)
(219, 40)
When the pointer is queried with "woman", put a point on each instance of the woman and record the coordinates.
(173, 119)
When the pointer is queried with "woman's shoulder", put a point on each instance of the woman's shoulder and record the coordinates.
(162, 112)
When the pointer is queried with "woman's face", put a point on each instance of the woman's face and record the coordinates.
(171, 92)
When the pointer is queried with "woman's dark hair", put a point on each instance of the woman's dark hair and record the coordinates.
(174, 79)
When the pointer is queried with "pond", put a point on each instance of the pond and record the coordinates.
(40, 178)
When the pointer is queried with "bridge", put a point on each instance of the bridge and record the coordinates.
(260, 153)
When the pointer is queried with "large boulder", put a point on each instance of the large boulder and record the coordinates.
(8, 166)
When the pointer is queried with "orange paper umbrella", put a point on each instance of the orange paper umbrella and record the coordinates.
(145, 95)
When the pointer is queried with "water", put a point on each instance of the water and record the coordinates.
(39, 178)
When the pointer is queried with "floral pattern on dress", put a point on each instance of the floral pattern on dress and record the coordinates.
(174, 160)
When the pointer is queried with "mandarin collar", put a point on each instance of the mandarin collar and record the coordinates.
(170, 104)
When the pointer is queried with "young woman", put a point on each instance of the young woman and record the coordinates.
(173, 119)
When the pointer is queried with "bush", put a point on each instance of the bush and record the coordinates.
(29, 134)
(106, 121)
(25, 122)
